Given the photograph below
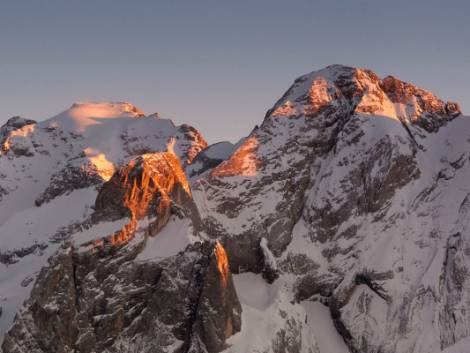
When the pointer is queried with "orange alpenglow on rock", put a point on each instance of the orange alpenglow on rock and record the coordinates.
(222, 262)
(146, 186)
(6, 146)
(243, 162)
(125, 234)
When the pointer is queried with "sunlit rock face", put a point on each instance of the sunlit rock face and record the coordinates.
(142, 187)
(152, 186)
(340, 224)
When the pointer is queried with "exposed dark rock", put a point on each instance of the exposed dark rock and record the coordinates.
(10, 257)
(68, 179)
(107, 302)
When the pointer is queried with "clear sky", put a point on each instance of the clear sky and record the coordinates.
(218, 65)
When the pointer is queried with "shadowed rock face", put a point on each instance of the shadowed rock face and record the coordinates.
(108, 302)
(70, 178)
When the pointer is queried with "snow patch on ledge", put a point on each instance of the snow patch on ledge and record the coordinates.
(266, 309)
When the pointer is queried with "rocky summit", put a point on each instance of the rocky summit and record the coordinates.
(339, 225)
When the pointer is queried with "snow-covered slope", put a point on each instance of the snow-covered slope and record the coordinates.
(344, 218)
(82, 146)
(49, 175)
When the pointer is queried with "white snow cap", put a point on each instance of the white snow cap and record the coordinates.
(84, 114)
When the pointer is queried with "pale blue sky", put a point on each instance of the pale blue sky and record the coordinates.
(218, 65)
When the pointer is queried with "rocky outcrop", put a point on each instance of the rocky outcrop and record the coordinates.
(422, 107)
(12, 124)
(109, 302)
(142, 187)
(73, 176)
(153, 186)
(10, 257)
(209, 158)
(198, 143)
(189, 141)
(15, 123)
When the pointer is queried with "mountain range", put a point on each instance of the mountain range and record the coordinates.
(339, 225)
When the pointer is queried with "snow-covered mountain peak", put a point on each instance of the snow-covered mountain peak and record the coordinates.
(364, 92)
(84, 114)
(122, 107)
(353, 192)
